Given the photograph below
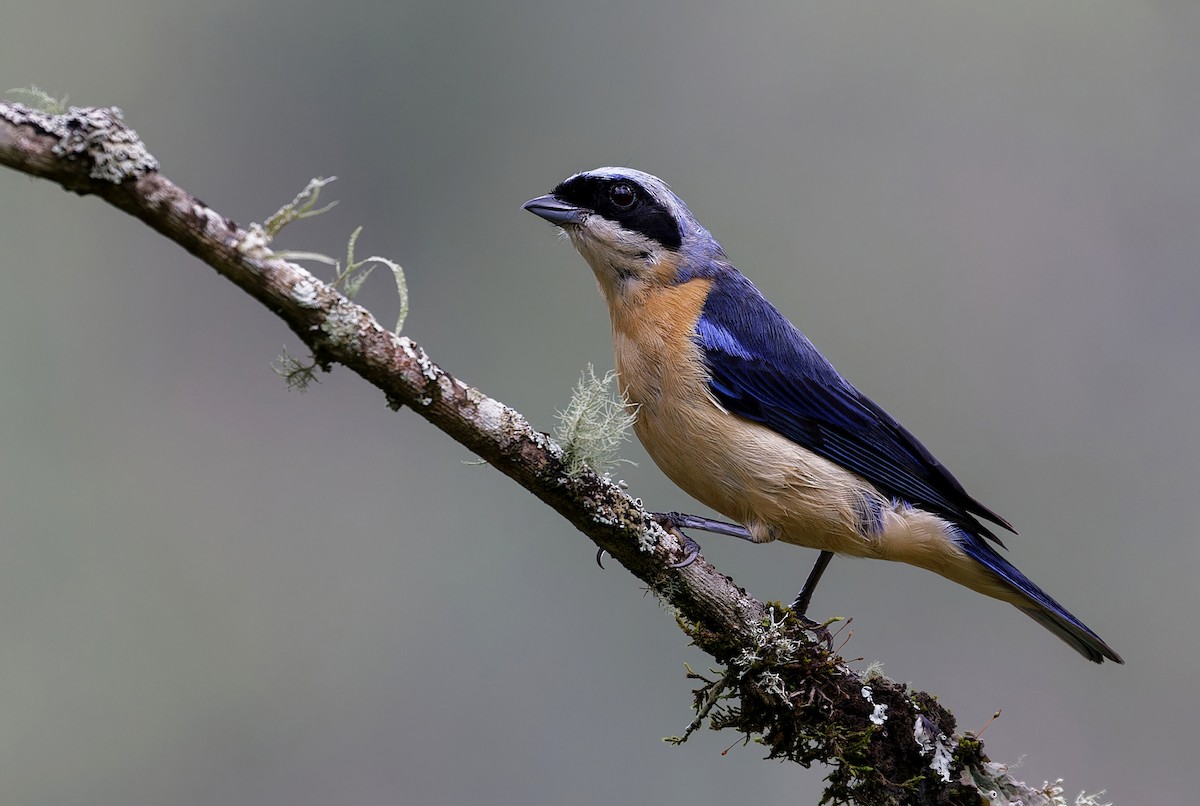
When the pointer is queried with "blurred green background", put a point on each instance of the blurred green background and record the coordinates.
(216, 591)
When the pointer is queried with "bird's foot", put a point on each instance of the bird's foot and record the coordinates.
(673, 522)
(676, 522)
(819, 630)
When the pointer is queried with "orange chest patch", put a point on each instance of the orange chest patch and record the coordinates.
(656, 355)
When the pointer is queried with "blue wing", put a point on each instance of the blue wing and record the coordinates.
(764, 369)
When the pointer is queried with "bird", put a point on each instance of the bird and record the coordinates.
(739, 409)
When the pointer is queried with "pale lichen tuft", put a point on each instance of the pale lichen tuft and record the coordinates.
(303, 206)
(356, 272)
(594, 424)
(41, 100)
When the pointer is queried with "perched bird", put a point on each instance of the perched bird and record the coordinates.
(739, 409)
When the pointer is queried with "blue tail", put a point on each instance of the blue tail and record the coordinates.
(1041, 608)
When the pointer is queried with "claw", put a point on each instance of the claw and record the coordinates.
(689, 545)
(600, 558)
(675, 522)
(820, 631)
(692, 554)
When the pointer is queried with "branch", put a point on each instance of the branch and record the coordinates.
(884, 742)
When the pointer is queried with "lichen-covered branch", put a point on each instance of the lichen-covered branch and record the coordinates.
(884, 743)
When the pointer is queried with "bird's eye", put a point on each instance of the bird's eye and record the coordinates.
(622, 195)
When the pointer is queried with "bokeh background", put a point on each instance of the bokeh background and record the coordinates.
(214, 590)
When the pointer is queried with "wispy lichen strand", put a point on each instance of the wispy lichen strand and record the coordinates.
(594, 424)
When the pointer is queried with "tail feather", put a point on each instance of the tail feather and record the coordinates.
(1041, 607)
(1066, 627)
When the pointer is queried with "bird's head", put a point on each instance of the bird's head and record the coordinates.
(629, 227)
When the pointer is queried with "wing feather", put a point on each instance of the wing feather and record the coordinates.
(764, 369)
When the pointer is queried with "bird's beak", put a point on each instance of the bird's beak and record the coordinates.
(555, 211)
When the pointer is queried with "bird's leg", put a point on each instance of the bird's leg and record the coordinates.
(674, 522)
(804, 597)
(800, 604)
(680, 520)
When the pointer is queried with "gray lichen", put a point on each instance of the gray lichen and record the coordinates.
(99, 134)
